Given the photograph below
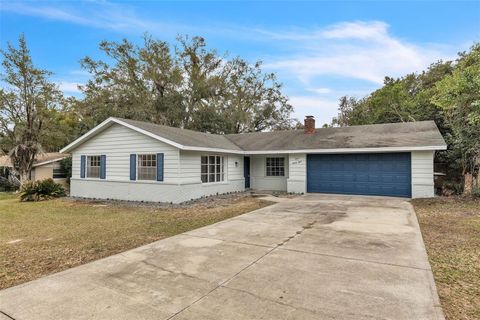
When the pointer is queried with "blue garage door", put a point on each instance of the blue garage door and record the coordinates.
(383, 174)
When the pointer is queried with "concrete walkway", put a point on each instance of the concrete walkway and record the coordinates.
(312, 257)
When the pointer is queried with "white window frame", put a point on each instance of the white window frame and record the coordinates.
(219, 176)
(88, 166)
(274, 166)
(138, 166)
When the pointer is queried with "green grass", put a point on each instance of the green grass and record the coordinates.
(451, 231)
(7, 195)
(39, 238)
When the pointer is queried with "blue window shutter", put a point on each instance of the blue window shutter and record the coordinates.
(103, 166)
(159, 166)
(133, 167)
(82, 166)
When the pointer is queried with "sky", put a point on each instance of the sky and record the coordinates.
(320, 50)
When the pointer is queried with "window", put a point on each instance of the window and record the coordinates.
(58, 171)
(147, 167)
(212, 169)
(275, 167)
(93, 167)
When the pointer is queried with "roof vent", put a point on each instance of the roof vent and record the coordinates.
(309, 125)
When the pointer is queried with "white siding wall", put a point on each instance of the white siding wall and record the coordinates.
(259, 179)
(297, 180)
(181, 170)
(117, 143)
(190, 166)
(422, 174)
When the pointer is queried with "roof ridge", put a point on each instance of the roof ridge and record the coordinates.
(164, 125)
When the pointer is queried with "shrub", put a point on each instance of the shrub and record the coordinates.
(476, 192)
(66, 166)
(452, 188)
(41, 190)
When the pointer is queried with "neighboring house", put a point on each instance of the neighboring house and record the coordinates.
(47, 165)
(134, 160)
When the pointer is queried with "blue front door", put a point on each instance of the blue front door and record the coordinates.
(383, 174)
(246, 171)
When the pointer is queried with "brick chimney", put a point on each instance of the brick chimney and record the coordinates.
(309, 125)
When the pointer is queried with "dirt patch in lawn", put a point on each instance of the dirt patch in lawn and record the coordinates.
(40, 238)
(451, 231)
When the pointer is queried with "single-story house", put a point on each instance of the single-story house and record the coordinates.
(46, 165)
(140, 161)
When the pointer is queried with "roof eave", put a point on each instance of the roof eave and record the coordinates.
(351, 150)
(49, 161)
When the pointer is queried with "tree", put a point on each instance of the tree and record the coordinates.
(447, 92)
(458, 95)
(27, 101)
(190, 87)
(346, 108)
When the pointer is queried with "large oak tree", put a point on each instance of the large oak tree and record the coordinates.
(187, 85)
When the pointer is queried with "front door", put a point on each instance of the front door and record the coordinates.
(246, 171)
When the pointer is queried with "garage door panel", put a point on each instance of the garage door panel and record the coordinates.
(369, 174)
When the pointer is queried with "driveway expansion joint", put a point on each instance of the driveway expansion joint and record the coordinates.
(7, 315)
(290, 305)
(356, 259)
(232, 241)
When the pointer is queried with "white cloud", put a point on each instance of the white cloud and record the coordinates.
(69, 87)
(320, 90)
(360, 50)
(356, 30)
(102, 14)
(322, 109)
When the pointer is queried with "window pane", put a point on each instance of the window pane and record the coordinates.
(211, 168)
(275, 167)
(93, 167)
(147, 167)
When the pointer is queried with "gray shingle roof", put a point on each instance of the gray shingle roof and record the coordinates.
(409, 134)
(42, 157)
(185, 137)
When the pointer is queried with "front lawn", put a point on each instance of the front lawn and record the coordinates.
(39, 238)
(451, 231)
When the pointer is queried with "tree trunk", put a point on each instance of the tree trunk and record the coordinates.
(24, 177)
(468, 183)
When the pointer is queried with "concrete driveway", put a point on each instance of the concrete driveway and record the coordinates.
(312, 257)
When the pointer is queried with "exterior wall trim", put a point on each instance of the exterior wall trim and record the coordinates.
(351, 150)
(49, 161)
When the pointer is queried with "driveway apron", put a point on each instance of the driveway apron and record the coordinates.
(310, 257)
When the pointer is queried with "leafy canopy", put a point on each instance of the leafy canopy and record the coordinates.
(447, 92)
(189, 86)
